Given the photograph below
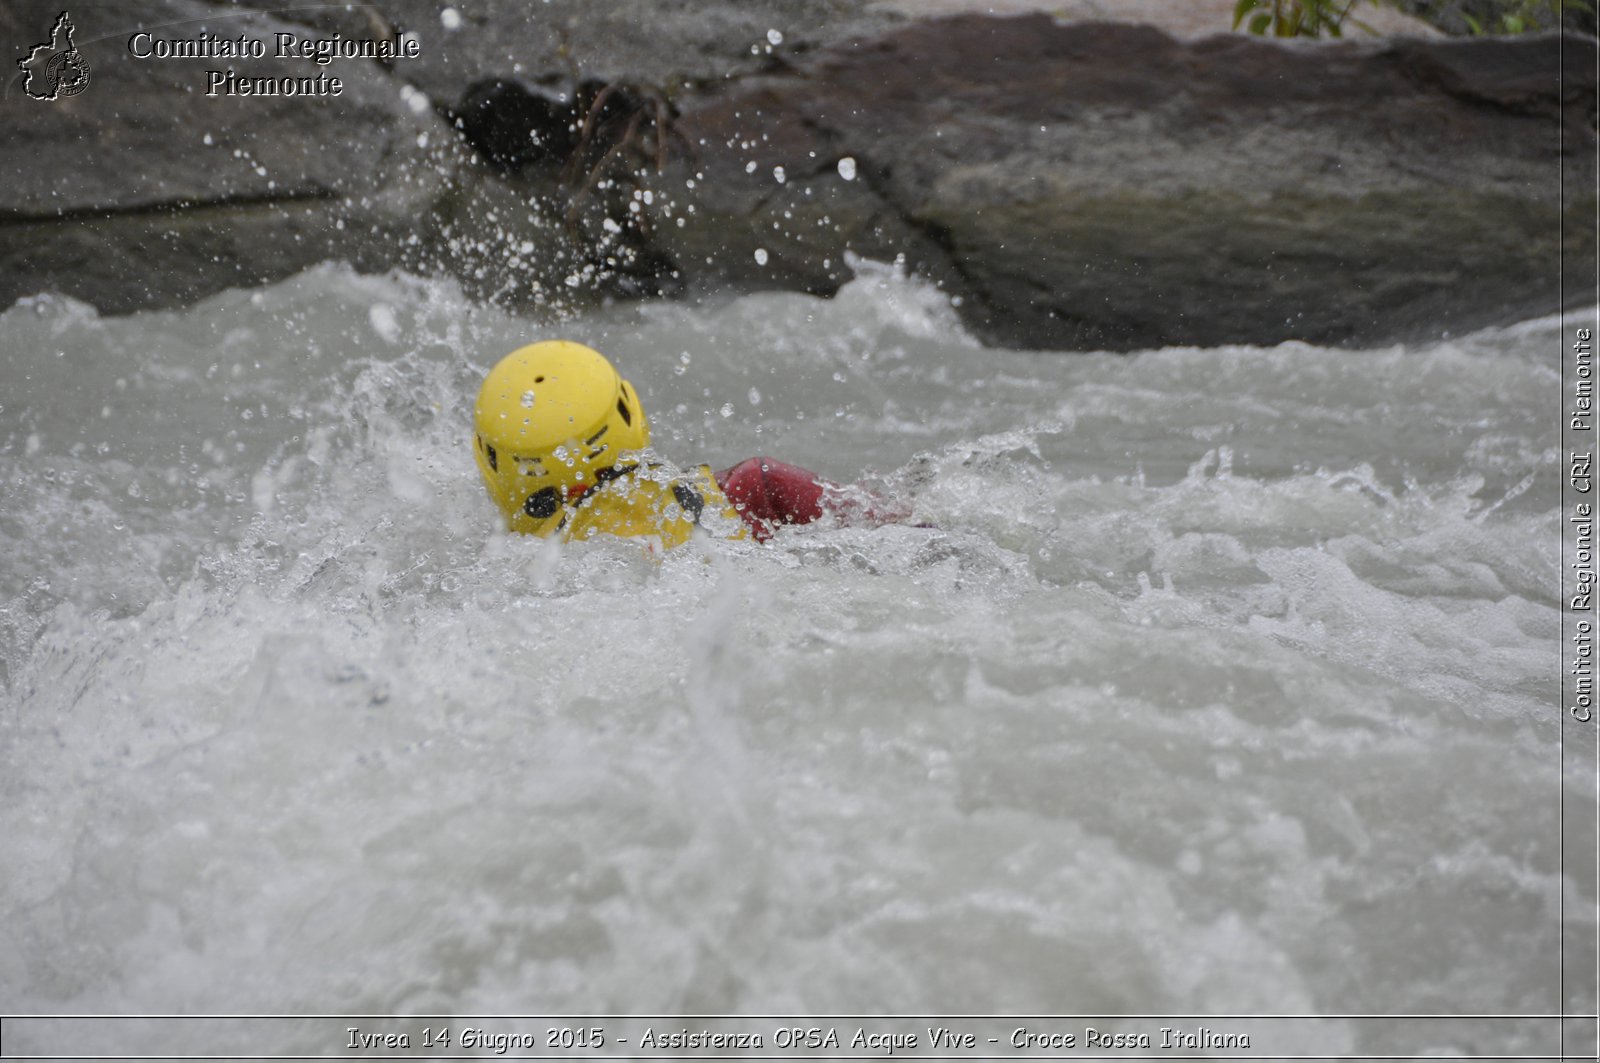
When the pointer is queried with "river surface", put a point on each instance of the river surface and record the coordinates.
(1209, 681)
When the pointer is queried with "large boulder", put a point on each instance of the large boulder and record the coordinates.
(1072, 184)
(1107, 186)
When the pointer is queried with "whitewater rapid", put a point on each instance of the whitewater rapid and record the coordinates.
(1203, 681)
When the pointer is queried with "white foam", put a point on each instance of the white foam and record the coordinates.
(1158, 712)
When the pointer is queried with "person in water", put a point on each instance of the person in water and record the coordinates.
(559, 437)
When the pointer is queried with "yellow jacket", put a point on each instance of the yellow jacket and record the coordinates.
(653, 502)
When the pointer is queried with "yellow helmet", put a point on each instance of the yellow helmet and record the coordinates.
(549, 418)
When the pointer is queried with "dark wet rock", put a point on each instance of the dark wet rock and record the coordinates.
(1071, 185)
(142, 191)
(117, 196)
(549, 212)
(1104, 186)
(666, 43)
(533, 242)
(518, 124)
(515, 123)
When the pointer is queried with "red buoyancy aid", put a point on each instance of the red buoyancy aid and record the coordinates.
(766, 491)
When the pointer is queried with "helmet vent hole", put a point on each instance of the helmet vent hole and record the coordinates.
(488, 452)
(538, 380)
(627, 415)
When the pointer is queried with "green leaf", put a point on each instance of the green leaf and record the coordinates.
(1259, 23)
(1243, 8)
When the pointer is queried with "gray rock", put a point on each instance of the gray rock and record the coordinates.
(1072, 185)
(143, 191)
(1104, 186)
(668, 44)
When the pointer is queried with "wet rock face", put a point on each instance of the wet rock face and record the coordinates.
(513, 124)
(1073, 185)
(666, 43)
(1105, 186)
(144, 191)
(516, 124)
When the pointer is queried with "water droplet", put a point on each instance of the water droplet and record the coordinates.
(847, 168)
(450, 18)
(774, 37)
(727, 409)
(750, 167)
(412, 98)
(527, 400)
(779, 175)
(761, 256)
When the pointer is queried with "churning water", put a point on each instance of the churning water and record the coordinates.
(1208, 681)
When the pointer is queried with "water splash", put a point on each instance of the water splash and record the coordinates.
(1175, 658)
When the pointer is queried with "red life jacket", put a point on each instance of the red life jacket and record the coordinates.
(766, 491)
